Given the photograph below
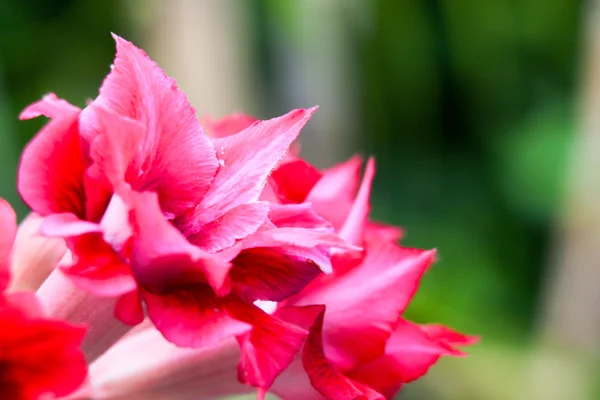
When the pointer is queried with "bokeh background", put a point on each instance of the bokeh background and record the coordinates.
(482, 116)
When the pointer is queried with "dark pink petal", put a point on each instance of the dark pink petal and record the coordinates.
(246, 159)
(98, 269)
(228, 125)
(409, 353)
(176, 159)
(297, 215)
(371, 296)
(294, 180)
(235, 224)
(50, 177)
(333, 195)
(8, 232)
(354, 226)
(192, 316)
(270, 346)
(273, 274)
(162, 258)
(128, 308)
(324, 377)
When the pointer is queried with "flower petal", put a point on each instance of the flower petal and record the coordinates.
(229, 125)
(98, 269)
(8, 231)
(162, 258)
(39, 356)
(247, 159)
(363, 305)
(192, 316)
(297, 215)
(271, 345)
(333, 195)
(271, 273)
(235, 224)
(354, 225)
(177, 160)
(294, 180)
(50, 177)
(324, 377)
(410, 352)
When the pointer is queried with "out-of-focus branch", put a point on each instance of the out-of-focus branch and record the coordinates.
(565, 363)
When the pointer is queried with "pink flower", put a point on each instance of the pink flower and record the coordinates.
(357, 346)
(163, 220)
(38, 356)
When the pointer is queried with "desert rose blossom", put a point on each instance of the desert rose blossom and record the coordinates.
(157, 214)
(359, 345)
(39, 356)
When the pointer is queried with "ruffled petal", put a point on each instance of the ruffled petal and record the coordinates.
(246, 159)
(176, 159)
(271, 345)
(50, 176)
(235, 224)
(297, 215)
(162, 258)
(98, 269)
(324, 376)
(363, 305)
(192, 316)
(409, 354)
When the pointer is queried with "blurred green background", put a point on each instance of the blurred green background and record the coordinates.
(469, 108)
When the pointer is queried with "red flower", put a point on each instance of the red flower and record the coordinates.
(38, 356)
(159, 214)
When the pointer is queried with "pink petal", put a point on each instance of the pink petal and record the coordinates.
(114, 149)
(50, 177)
(178, 161)
(363, 305)
(34, 256)
(128, 308)
(297, 215)
(377, 231)
(228, 125)
(65, 225)
(129, 371)
(271, 273)
(270, 346)
(324, 377)
(98, 269)
(410, 352)
(8, 232)
(443, 334)
(235, 224)
(294, 180)
(354, 225)
(162, 258)
(192, 316)
(247, 159)
(333, 195)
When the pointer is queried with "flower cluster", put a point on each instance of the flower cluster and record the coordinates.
(173, 263)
